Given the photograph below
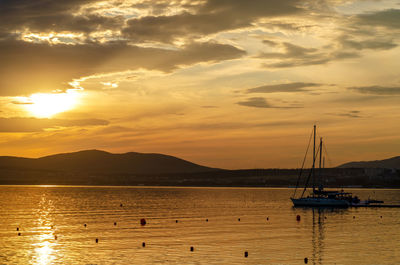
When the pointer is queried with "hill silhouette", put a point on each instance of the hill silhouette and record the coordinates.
(94, 167)
(96, 161)
(390, 163)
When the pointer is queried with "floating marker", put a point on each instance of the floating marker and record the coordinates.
(381, 216)
(115, 223)
(298, 218)
(206, 220)
(19, 234)
(84, 225)
(143, 221)
(143, 244)
(354, 217)
(239, 219)
(324, 217)
(120, 205)
(192, 249)
(267, 218)
(97, 240)
(246, 254)
(18, 227)
(176, 221)
(305, 260)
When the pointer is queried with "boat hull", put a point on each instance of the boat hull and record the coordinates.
(320, 202)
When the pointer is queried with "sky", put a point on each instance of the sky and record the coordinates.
(223, 83)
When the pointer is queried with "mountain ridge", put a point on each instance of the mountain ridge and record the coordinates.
(101, 161)
(389, 163)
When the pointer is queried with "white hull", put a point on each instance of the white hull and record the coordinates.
(320, 202)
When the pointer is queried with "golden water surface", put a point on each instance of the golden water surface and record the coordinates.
(51, 222)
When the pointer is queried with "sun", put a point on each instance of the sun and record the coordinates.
(45, 105)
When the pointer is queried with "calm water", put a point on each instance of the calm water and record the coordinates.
(325, 237)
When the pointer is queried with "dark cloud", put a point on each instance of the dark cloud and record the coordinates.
(45, 15)
(259, 102)
(389, 18)
(214, 16)
(294, 55)
(377, 90)
(168, 28)
(33, 67)
(270, 42)
(36, 125)
(372, 44)
(374, 31)
(290, 87)
(349, 114)
(256, 102)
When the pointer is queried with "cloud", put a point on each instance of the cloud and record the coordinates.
(34, 67)
(259, 102)
(389, 18)
(45, 16)
(294, 55)
(290, 87)
(209, 107)
(348, 114)
(372, 44)
(377, 90)
(18, 124)
(212, 17)
(270, 42)
(373, 30)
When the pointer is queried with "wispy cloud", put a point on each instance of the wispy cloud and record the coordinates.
(259, 102)
(348, 114)
(68, 62)
(377, 90)
(278, 88)
(18, 124)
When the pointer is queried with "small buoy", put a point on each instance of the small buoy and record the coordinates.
(246, 254)
(305, 260)
(18, 227)
(97, 240)
(143, 244)
(120, 205)
(84, 225)
(19, 234)
(192, 249)
(381, 216)
(239, 219)
(267, 218)
(298, 218)
(115, 223)
(354, 217)
(206, 220)
(143, 221)
(176, 221)
(55, 237)
(324, 217)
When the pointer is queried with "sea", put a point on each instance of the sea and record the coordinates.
(190, 225)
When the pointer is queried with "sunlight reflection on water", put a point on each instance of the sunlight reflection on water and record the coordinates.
(51, 222)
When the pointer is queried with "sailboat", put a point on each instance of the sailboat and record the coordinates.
(318, 196)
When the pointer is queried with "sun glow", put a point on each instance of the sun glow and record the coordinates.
(46, 105)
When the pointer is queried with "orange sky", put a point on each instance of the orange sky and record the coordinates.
(230, 84)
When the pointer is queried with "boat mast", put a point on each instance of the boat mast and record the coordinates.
(313, 164)
(320, 160)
